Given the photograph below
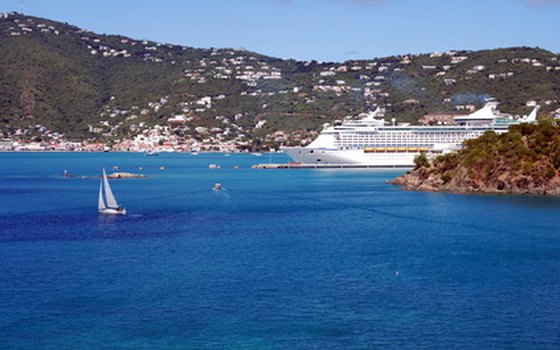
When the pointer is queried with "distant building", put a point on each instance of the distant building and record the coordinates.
(437, 119)
(178, 119)
(6, 144)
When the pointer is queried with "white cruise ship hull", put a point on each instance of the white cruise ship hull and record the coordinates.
(368, 141)
(308, 155)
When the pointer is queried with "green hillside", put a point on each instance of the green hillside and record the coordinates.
(63, 79)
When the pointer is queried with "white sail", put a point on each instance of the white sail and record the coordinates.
(532, 117)
(101, 203)
(109, 197)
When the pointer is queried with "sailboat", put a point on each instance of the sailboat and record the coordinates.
(107, 204)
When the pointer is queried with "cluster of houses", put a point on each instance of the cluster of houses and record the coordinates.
(95, 44)
(148, 51)
(232, 65)
(340, 79)
(441, 71)
(23, 27)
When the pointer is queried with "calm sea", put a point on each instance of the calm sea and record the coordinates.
(280, 259)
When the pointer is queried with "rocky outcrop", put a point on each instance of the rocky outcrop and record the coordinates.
(526, 160)
(426, 181)
(124, 175)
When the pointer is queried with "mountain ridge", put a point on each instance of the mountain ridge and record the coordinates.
(57, 79)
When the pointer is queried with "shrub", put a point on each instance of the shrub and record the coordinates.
(421, 161)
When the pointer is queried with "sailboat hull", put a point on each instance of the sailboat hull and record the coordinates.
(110, 211)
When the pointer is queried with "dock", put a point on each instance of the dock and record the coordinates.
(327, 166)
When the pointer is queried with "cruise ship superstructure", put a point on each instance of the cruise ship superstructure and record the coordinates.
(370, 141)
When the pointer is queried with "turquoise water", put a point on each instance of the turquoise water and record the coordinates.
(280, 259)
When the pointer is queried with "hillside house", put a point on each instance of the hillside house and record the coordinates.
(458, 59)
(177, 120)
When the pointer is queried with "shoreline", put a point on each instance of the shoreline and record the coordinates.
(416, 181)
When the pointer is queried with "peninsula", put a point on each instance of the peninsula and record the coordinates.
(525, 160)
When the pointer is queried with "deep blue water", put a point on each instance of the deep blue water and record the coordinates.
(281, 259)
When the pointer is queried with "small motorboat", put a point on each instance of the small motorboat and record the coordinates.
(217, 186)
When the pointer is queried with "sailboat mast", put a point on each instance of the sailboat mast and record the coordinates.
(101, 201)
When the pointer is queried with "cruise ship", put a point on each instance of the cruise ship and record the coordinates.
(371, 141)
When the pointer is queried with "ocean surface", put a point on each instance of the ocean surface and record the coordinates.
(279, 259)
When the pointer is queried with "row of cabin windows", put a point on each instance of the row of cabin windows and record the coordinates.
(434, 139)
(409, 136)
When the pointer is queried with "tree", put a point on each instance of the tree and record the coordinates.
(421, 160)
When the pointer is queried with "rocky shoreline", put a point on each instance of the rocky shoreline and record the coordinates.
(523, 161)
(424, 181)
(124, 175)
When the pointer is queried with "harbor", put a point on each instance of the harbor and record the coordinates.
(149, 197)
(272, 246)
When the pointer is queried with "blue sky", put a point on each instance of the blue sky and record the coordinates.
(324, 30)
